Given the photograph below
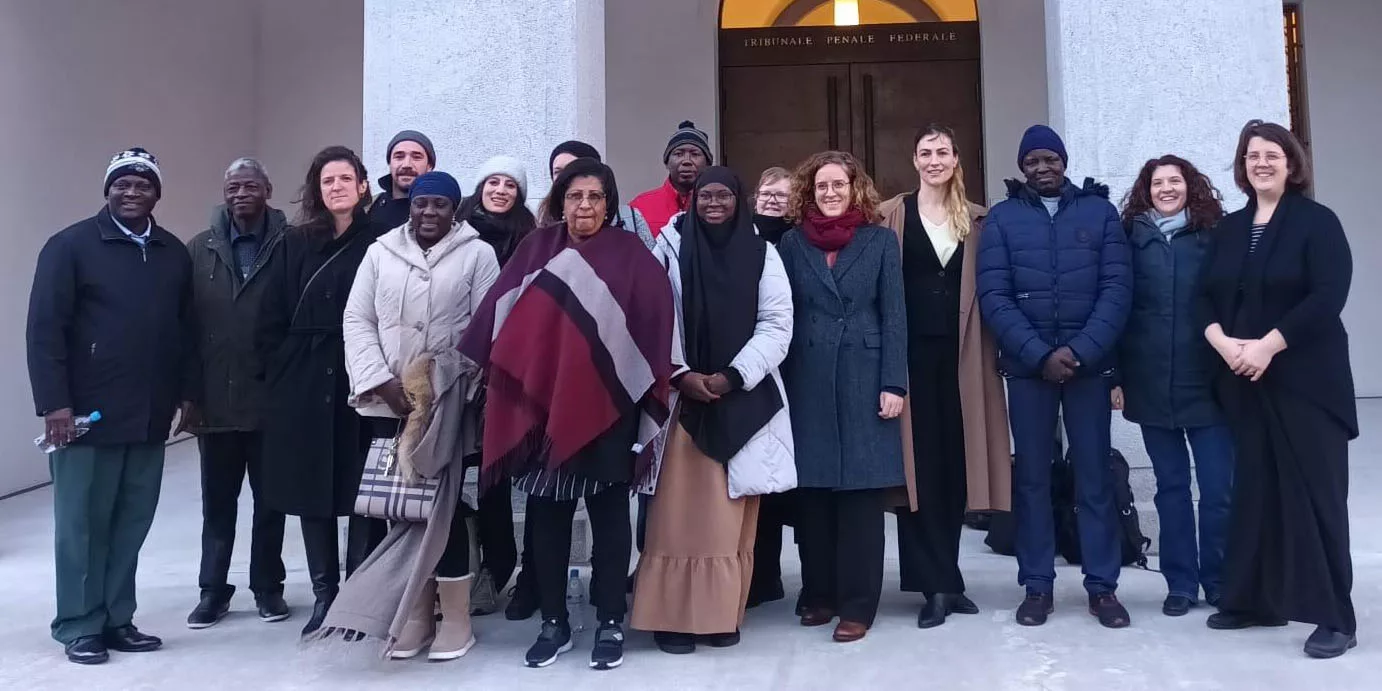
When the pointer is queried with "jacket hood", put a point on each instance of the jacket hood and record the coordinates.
(1018, 189)
(220, 220)
(400, 242)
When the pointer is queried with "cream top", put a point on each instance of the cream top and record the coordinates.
(942, 238)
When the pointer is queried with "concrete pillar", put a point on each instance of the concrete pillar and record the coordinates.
(1131, 81)
(482, 78)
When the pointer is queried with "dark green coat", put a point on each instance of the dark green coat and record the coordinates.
(227, 309)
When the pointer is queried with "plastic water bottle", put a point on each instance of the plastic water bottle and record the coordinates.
(575, 601)
(83, 425)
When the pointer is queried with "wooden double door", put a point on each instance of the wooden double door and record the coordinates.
(778, 115)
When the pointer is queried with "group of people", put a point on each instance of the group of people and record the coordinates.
(800, 352)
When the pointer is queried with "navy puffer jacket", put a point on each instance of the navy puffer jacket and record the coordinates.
(1048, 281)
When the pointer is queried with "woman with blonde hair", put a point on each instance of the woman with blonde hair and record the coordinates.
(846, 377)
(955, 431)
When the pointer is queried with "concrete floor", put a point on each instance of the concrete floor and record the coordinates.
(987, 651)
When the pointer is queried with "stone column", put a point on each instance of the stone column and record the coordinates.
(481, 78)
(1135, 79)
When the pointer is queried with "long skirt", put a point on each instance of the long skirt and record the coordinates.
(697, 563)
(1287, 550)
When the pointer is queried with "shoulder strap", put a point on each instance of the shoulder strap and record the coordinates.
(303, 295)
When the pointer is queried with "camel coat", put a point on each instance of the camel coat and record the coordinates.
(983, 402)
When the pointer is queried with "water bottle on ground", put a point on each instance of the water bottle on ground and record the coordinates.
(82, 425)
(575, 601)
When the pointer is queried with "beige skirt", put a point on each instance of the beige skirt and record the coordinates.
(694, 573)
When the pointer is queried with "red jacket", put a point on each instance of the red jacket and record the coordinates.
(658, 206)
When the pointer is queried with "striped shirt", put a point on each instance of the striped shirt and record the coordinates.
(1256, 238)
(561, 485)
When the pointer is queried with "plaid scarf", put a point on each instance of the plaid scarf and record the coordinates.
(573, 338)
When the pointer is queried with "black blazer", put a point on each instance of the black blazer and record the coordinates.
(1296, 282)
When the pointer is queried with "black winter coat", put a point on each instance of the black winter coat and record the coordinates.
(314, 443)
(1296, 282)
(387, 213)
(227, 310)
(1166, 364)
(111, 329)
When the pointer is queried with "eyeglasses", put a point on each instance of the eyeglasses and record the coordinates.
(723, 197)
(836, 185)
(1270, 157)
(779, 197)
(578, 197)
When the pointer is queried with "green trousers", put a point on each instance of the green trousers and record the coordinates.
(103, 504)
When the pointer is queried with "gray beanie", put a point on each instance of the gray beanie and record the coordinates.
(413, 136)
(504, 165)
(688, 134)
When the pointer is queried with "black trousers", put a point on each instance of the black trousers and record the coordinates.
(774, 512)
(551, 551)
(928, 540)
(455, 559)
(226, 457)
(840, 535)
(494, 527)
(320, 539)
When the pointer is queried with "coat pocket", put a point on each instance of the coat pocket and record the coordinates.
(873, 340)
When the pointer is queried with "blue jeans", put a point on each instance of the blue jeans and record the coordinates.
(1185, 572)
(1034, 405)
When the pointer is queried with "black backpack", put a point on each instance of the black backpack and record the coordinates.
(1133, 542)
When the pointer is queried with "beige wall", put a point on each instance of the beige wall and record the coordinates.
(197, 82)
(1344, 92)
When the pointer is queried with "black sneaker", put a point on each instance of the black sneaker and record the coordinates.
(211, 609)
(1326, 643)
(554, 640)
(272, 608)
(87, 650)
(1232, 621)
(1111, 613)
(1177, 605)
(1034, 610)
(722, 640)
(608, 652)
(522, 601)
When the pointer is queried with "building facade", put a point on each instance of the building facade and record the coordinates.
(1122, 80)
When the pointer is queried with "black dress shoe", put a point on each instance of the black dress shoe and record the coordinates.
(1177, 605)
(272, 607)
(1035, 608)
(722, 640)
(1110, 612)
(674, 643)
(1232, 621)
(1325, 643)
(127, 639)
(211, 609)
(934, 611)
(87, 650)
(961, 604)
(319, 610)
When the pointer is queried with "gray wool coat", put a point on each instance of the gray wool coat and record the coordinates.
(849, 344)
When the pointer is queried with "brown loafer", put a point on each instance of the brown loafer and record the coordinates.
(849, 631)
(816, 616)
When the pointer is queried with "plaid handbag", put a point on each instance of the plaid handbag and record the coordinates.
(385, 493)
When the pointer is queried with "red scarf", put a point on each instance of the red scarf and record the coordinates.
(831, 233)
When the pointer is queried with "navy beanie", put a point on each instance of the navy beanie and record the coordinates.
(413, 136)
(438, 184)
(1041, 137)
(688, 134)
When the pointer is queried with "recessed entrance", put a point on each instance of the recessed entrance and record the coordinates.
(789, 91)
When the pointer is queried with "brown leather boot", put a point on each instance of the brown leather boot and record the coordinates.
(421, 627)
(816, 616)
(849, 631)
(454, 635)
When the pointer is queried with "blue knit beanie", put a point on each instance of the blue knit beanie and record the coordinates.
(1041, 137)
(436, 183)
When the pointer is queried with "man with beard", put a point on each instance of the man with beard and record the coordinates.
(410, 154)
(110, 330)
(687, 152)
(232, 264)
(1054, 282)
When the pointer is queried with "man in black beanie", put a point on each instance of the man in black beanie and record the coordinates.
(110, 330)
(687, 153)
(410, 154)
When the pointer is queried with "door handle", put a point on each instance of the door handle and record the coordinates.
(868, 125)
(832, 111)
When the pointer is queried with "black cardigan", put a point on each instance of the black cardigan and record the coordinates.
(1296, 282)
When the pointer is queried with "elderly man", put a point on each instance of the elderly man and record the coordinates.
(410, 154)
(228, 280)
(110, 329)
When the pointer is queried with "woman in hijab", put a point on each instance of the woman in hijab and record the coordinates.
(730, 438)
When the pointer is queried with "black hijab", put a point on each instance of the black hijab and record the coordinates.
(721, 265)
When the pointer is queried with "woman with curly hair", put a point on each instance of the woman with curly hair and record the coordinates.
(1166, 373)
(846, 376)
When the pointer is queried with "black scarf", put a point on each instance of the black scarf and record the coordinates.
(721, 266)
(501, 231)
(771, 228)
